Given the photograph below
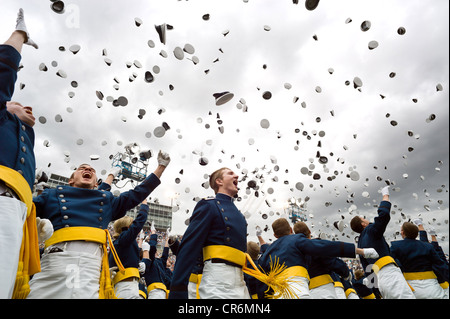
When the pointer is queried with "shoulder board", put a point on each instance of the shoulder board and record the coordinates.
(208, 198)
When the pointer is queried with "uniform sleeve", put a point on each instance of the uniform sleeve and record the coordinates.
(339, 266)
(440, 268)
(165, 256)
(104, 186)
(153, 242)
(135, 227)
(326, 248)
(190, 249)
(133, 197)
(382, 220)
(39, 202)
(9, 63)
(423, 236)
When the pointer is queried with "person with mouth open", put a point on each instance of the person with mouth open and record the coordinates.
(74, 264)
(217, 232)
(20, 230)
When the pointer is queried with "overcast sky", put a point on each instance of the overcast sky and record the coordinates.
(376, 132)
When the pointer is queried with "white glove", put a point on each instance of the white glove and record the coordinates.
(163, 158)
(370, 253)
(168, 232)
(432, 232)
(44, 229)
(258, 231)
(152, 227)
(418, 221)
(115, 171)
(145, 246)
(20, 26)
(385, 190)
(40, 186)
(366, 282)
(141, 268)
(38, 173)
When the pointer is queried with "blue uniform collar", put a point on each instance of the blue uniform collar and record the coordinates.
(222, 196)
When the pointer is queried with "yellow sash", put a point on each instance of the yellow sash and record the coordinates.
(320, 281)
(444, 285)
(338, 284)
(96, 235)
(383, 261)
(419, 275)
(224, 252)
(278, 278)
(371, 296)
(196, 279)
(349, 291)
(158, 285)
(29, 259)
(143, 294)
(127, 273)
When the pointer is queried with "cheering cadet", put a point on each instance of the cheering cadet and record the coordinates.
(155, 268)
(126, 230)
(286, 258)
(19, 250)
(419, 263)
(321, 284)
(390, 280)
(75, 260)
(434, 242)
(217, 230)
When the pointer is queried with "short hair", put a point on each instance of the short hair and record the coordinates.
(355, 224)
(281, 227)
(253, 249)
(121, 224)
(359, 273)
(302, 228)
(410, 230)
(215, 175)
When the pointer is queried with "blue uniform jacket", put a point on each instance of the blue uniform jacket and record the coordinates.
(418, 256)
(214, 221)
(17, 138)
(155, 268)
(126, 246)
(324, 265)
(67, 206)
(373, 235)
(293, 249)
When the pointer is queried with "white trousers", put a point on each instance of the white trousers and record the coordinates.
(324, 292)
(300, 286)
(222, 281)
(73, 273)
(427, 289)
(13, 214)
(392, 284)
(446, 293)
(157, 294)
(340, 293)
(127, 289)
(192, 290)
